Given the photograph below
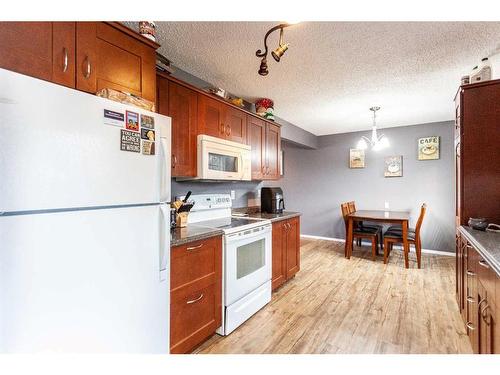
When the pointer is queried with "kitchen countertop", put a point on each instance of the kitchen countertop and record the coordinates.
(192, 232)
(274, 217)
(487, 243)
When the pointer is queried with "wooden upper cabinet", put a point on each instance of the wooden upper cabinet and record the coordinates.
(272, 147)
(293, 247)
(256, 139)
(235, 125)
(108, 56)
(182, 108)
(221, 120)
(44, 50)
(210, 116)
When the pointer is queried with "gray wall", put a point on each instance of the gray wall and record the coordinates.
(317, 181)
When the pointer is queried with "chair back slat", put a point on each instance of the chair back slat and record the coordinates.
(420, 220)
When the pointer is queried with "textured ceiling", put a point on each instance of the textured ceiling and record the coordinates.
(334, 71)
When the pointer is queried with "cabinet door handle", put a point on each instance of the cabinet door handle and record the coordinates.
(483, 300)
(195, 300)
(484, 315)
(484, 264)
(228, 130)
(471, 299)
(173, 160)
(470, 326)
(470, 273)
(469, 246)
(88, 69)
(222, 128)
(195, 247)
(65, 60)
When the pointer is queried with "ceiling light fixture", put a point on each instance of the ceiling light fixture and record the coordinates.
(376, 142)
(277, 53)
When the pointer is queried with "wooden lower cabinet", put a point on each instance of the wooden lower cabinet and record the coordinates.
(286, 251)
(195, 293)
(478, 300)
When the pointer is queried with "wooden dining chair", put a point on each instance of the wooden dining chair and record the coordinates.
(359, 233)
(395, 235)
(364, 224)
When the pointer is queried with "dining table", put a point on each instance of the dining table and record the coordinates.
(382, 216)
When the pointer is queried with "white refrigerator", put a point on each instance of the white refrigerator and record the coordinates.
(84, 223)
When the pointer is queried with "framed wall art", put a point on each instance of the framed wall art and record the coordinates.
(428, 148)
(356, 158)
(393, 166)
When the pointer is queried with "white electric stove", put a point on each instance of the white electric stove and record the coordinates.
(247, 257)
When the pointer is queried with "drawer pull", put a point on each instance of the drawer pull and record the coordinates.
(484, 264)
(195, 300)
(470, 326)
(194, 247)
(470, 273)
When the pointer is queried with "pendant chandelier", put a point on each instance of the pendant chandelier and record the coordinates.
(376, 142)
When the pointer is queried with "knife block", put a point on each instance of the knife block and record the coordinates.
(181, 219)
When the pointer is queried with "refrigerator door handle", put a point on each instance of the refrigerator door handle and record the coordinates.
(165, 168)
(164, 242)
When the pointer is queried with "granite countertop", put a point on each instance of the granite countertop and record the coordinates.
(181, 236)
(274, 217)
(487, 243)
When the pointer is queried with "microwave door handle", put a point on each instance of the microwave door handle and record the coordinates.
(242, 167)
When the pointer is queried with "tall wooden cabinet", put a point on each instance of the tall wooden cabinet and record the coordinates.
(286, 251)
(477, 110)
(477, 137)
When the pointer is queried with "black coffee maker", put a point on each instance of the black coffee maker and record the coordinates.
(271, 200)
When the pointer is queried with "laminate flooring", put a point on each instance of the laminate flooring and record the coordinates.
(335, 305)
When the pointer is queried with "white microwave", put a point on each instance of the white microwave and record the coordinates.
(219, 159)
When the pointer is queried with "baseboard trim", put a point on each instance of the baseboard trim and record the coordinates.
(397, 247)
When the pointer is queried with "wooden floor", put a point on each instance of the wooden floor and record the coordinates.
(335, 305)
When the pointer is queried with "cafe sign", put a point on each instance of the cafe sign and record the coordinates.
(428, 148)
